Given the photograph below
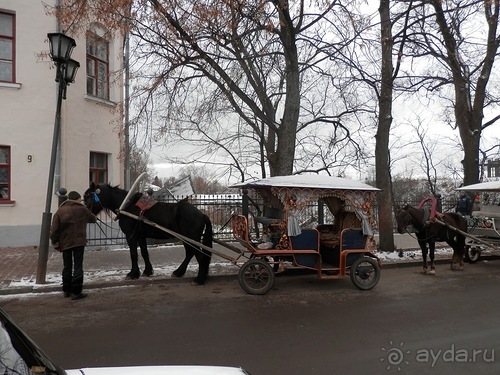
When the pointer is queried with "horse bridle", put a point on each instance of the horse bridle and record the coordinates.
(94, 196)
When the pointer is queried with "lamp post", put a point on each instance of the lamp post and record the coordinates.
(61, 47)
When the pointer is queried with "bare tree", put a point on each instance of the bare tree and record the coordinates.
(457, 43)
(203, 180)
(382, 156)
(244, 84)
(428, 162)
(139, 163)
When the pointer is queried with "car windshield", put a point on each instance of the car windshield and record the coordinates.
(19, 354)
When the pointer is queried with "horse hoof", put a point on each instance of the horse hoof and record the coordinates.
(432, 272)
(177, 274)
(455, 267)
(132, 276)
(424, 271)
(148, 273)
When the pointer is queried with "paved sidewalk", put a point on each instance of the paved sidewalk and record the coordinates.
(108, 266)
(102, 267)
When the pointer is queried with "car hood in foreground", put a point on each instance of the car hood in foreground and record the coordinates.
(159, 370)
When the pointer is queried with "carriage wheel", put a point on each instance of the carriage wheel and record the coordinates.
(256, 277)
(472, 253)
(365, 273)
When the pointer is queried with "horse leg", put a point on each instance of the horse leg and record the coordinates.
(423, 247)
(181, 270)
(203, 258)
(132, 244)
(461, 252)
(458, 255)
(432, 248)
(454, 257)
(148, 270)
(460, 240)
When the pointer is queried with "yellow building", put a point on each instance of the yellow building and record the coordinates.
(90, 139)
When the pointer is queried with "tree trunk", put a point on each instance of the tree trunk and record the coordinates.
(470, 133)
(382, 159)
(281, 163)
(468, 111)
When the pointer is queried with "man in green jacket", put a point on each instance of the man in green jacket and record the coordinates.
(68, 235)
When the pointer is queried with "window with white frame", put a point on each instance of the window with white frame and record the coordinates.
(7, 47)
(98, 172)
(5, 182)
(97, 66)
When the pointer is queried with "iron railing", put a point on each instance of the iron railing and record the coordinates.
(220, 208)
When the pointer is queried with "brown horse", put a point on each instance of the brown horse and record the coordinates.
(430, 230)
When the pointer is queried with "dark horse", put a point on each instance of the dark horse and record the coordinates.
(181, 217)
(429, 231)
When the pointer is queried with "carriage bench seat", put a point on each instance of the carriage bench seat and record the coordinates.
(308, 239)
(306, 247)
(353, 242)
(353, 239)
(489, 211)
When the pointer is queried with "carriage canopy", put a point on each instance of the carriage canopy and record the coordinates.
(295, 192)
(493, 186)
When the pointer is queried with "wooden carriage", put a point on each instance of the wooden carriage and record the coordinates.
(334, 250)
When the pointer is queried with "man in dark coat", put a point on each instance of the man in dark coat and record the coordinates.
(464, 205)
(68, 235)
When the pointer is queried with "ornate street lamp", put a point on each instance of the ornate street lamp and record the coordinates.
(61, 47)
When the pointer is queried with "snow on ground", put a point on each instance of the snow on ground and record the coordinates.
(412, 255)
(218, 267)
(105, 276)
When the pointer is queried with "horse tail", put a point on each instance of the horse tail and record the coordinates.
(208, 234)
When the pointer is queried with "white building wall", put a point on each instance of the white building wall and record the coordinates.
(27, 113)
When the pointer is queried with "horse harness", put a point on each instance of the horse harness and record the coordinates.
(429, 217)
(145, 203)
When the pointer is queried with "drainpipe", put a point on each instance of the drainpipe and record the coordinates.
(126, 62)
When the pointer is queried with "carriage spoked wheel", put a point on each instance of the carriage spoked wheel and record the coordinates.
(256, 276)
(472, 253)
(365, 273)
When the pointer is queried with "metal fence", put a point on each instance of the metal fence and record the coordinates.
(220, 208)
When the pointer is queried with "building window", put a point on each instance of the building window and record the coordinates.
(98, 172)
(493, 168)
(97, 66)
(5, 173)
(7, 47)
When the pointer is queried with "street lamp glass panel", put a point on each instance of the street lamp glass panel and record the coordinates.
(71, 69)
(61, 46)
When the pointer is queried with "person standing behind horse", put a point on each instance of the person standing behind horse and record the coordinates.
(464, 205)
(68, 235)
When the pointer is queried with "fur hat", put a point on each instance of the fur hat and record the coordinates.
(74, 195)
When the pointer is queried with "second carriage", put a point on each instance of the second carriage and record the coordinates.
(277, 236)
(484, 223)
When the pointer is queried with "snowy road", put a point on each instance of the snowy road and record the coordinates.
(410, 323)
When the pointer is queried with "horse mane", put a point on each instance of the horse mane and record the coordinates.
(109, 186)
(116, 188)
